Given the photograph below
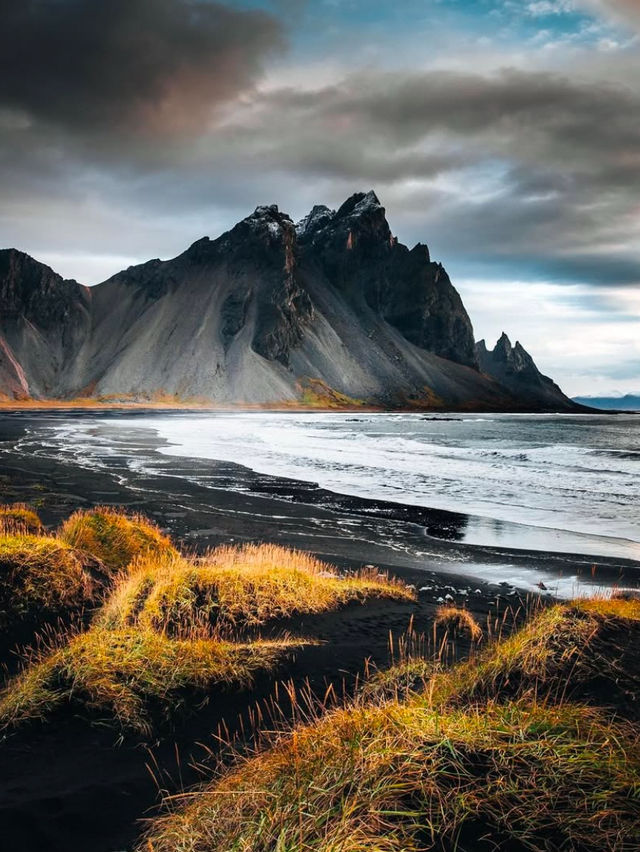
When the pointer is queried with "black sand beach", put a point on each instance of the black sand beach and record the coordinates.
(65, 786)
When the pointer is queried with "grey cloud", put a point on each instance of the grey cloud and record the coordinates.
(134, 65)
(558, 154)
(564, 154)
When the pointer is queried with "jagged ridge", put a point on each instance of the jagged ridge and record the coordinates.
(269, 312)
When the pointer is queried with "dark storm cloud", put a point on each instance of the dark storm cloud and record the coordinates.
(521, 116)
(136, 65)
(527, 165)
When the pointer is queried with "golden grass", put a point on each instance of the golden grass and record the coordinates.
(316, 393)
(126, 674)
(19, 518)
(237, 588)
(40, 574)
(487, 754)
(458, 621)
(166, 626)
(115, 537)
(397, 777)
(582, 649)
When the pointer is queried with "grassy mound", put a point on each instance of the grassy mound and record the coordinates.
(19, 518)
(398, 777)
(129, 675)
(585, 650)
(114, 537)
(236, 588)
(41, 575)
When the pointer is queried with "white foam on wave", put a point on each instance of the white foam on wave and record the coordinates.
(576, 474)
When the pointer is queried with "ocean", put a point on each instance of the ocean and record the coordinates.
(556, 482)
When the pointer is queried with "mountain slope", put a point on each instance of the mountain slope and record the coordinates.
(333, 309)
(628, 402)
(43, 322)
(514, 369)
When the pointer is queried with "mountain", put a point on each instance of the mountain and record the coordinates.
(514, 369)
(332, 310)
(628, 402)
(43, 322)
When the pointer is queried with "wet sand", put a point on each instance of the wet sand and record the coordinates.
(67, 785)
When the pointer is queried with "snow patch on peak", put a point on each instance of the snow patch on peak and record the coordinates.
(315, 220)
(370, 199)
(265, 210)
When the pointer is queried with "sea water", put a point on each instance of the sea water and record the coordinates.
(551, 475)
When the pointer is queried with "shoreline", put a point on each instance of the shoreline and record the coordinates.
(205, 502)
(294, 406)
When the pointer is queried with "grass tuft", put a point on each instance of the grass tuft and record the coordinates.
(41, 575)
(458, 621)
(130, 674)
(115, 537)
(235, 588)
(582, 650)
(18, 518)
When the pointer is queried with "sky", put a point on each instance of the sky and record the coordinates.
(504, 133)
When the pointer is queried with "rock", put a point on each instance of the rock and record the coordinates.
(333, 310)
(514, 369)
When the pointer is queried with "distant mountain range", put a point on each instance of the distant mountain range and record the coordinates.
(330, 311)
(628, 402)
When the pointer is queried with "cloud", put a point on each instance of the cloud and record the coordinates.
(512, 172)
(535, 167)
(136, 66)
(620, 11)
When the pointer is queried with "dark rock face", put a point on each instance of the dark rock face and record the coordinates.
(359, 255)
(263, 248)
(262, 314)
(515, 369)
(32, 291)
(43, 319)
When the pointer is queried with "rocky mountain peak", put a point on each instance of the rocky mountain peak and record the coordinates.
(363, 216)
(516, 358)
(317, 219)
(360, 204)
(269, 218)
(503, 347)
(516, 370)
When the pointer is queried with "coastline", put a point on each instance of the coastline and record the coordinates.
(203, 503)
(74, 774)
